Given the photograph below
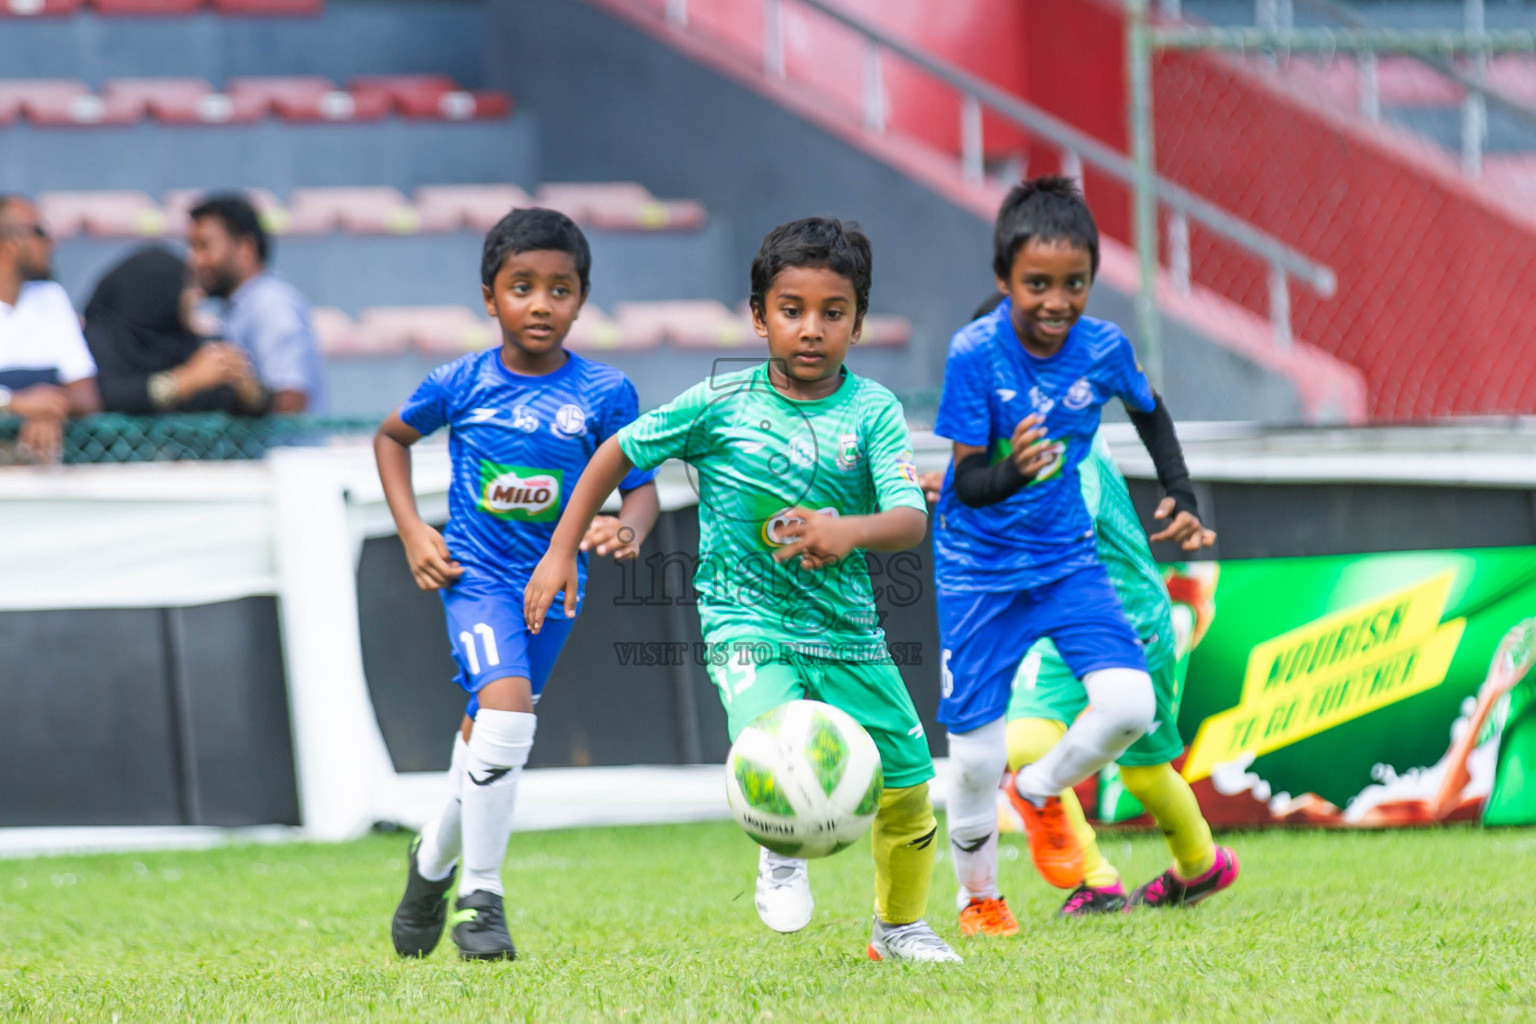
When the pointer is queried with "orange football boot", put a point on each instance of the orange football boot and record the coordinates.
(1057, 854)
(988, 917)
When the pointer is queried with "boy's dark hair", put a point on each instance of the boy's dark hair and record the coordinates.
(530, 230)
(239, 218)
(1051, 209)
(839, 246)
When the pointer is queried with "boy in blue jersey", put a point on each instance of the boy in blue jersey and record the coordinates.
(524, 421)
(1014, 552)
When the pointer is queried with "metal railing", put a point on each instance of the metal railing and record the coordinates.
(1077, 148)
(1279, 17)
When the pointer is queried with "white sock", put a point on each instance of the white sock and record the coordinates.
(498, 749)
(777, 862)
(439, 850)
(1121, 707)
(978, 759)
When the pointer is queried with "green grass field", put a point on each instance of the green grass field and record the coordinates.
(643, 924)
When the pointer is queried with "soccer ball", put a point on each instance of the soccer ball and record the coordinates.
(804, 779)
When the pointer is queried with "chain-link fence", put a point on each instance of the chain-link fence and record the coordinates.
(187, 436)
(111, 438)
(1402, 158)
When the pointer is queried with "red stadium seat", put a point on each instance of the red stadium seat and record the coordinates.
(269, 90)
(103, 214)
(340, 336)
(146, 6)
(269, 6)
(189, 100)
(433, 97)
(30, 8)
(63, 101)
(620, 206)
(885, 331)
(375, 210)
(595, 331)
(472, 207)
(435, 330)
(700, 323)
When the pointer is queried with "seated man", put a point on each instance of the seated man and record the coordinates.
(266, 316)
(46, 371)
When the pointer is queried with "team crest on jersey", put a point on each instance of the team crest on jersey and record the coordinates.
(570, 421)
(1040, 401)
(523, 419)
(520, 493)
(848, 451)
(1079, 395)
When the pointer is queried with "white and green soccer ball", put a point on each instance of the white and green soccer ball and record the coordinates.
(804, 779)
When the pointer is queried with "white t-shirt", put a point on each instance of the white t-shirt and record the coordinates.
(40, 339)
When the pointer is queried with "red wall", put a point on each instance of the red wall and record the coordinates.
(1436, 302)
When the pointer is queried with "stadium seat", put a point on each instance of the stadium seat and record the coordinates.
(340, 336)
(63, 101)
(693, 324)
(1514, 75)
(191, 101)
(373, 210)
(435, 330)
(432, 97)
(620, 206)
(471, 207)
(269, 6)
(885, 331)
(31, 8)
(595, 332)
(146, 6)
(103, 214)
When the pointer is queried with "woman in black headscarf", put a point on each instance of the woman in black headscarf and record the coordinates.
(148, 360)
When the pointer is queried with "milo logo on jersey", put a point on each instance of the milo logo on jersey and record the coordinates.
(1002, 448)
(520, 493)
(772, 530)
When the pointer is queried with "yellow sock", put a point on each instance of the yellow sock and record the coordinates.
(902, 837)
(1028, 740)
(1168, 797)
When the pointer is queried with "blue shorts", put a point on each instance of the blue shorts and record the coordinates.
(490, 639)
(985, 636)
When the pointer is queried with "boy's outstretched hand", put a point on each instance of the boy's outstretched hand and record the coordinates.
(1185, 530)
(1033, 454)
(432, 567)
(610, 535)
(553, 575)
(819, 540)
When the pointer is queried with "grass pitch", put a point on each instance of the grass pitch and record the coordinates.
(641, 924)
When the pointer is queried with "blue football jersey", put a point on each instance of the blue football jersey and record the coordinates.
(1044, 531)
(518, 445)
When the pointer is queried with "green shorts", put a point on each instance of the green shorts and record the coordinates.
(1045, 688)
(755, 678)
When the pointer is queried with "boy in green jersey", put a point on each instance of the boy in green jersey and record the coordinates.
(801, 465)
(1046, 699)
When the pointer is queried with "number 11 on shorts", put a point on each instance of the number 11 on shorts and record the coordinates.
(488, 638)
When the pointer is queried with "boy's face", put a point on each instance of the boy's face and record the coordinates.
(809, 318)
(536, 296)
(1049, 286)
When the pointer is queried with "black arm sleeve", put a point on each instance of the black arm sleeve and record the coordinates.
(1156, 431)
(978, 484)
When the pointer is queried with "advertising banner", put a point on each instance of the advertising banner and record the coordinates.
(1361, 690)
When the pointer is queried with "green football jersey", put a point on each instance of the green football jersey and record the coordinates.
(1124, 552)
(755, 454)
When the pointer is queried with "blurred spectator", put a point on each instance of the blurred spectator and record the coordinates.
(266, 316)
(46, 371)
(148, 358)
